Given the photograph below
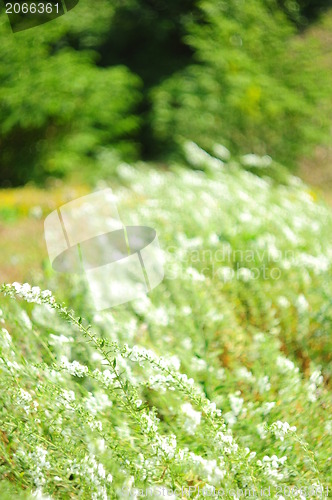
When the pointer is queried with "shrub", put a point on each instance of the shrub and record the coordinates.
(254, 85)
(219, 378)
(59, 112)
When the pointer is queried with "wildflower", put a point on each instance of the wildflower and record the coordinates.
(315, 381)
(67, 398)
(193, 418)
(244, 274)
(236, 403)
(302, 304)
(221, 152)
(267, 407)
(149, 422)
(6, 336)
(283, 302)
(262, 430)
(75, 368)
(263, 384)
(252, 160)
(280, 429)
(286, 365)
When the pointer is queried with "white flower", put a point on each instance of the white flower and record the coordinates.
(283, 301)
(25, 395)
(221, 152)
(59, 339)
(67, 398)
(244, 274)
(197, 157)
(315, 381)
(75, 368)
(186, 310)
(280, 429)
(236, 403)
(262, 431)
(263, 384)
(328, 427)
(31, 294)
(165, 444)
(149, 422)
(6, 336)
(95, 424)
(302, 304)
(252, 160)
(286, 365)
(230, 418)
(267, 407)
(108, 377)
(193, 418)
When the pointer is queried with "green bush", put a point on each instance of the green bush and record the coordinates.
(254, 85)
(60, 112)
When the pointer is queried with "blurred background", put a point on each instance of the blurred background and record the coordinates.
(131, 80)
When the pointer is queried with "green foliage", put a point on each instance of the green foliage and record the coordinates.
(129, 78)
(202, 382)
(253, 86)
(60, 112)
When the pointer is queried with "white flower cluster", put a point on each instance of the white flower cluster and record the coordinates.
(106, 377)
(6, 338)
(263, 384)
(302, 304)
(95, 424)
(193, 418)
(165, 445)
(94, 473)
(213, 471)
(280, 429)
(149, 422)
(252, 160)
(225, 442)
(236, 404)
(25, 400)
(271, 466)
(262, 430)
(66, 398)
(31, 294)
(210, 408)
(197, 157)
(35, 464)
(285, 365)
(97, 402)
(73, 368)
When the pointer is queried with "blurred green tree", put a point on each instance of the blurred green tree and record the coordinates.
(132, 78)
(59, 111)
(253, 85)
